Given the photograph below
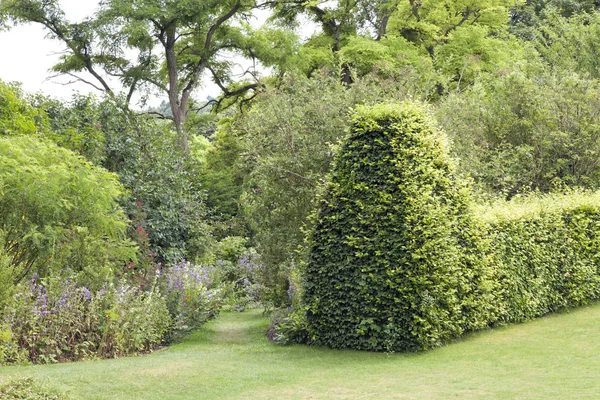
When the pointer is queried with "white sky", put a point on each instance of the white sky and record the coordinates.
(26, 56)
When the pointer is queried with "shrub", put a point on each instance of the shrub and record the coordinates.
(546, 251)
(526, 131)
(189, 300)
(394, 257)
(28, 388)
(58, 320)
(248, 282)
(399, 260)
(17, 116)
(58, 210)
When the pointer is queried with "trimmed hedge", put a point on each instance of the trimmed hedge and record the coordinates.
(546, 253)
(400, 261)
(393, 261)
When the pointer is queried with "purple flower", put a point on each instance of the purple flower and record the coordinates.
(87, 295)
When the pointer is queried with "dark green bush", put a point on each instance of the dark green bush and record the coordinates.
(399, 260)
(394, 260)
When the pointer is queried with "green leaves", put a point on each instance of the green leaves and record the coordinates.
(398, 260)
(17, 117)
(57, 210)
(545, 252)
(527, 130)
(389, 261)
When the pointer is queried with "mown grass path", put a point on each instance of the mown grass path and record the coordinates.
(557, 357)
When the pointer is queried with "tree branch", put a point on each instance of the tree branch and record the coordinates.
(157, 114)
(77, 79)
(207, 45)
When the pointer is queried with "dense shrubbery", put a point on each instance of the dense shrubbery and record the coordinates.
(545, 253)
(17, 116)
(164, 192)
(54, 319)
(392, 264)
(526, 130)
(57, 211)
(61, 321)
(188, 298)
(400, 261)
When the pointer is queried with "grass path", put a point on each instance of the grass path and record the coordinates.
(557, 357)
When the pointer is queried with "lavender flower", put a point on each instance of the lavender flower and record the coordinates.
(87, 295)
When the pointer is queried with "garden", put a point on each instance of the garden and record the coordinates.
(401, 204)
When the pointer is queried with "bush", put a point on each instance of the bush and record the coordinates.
(189, 301)
(17, 116)
(526, 131)
(393, 262)
(399, 260)
(55, 319)
(61, 321)
(29, 389)
(546, 252)
(58, 210)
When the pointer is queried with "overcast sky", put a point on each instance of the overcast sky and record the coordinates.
(26, 56)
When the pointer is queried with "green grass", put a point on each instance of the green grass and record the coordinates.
(556, 357)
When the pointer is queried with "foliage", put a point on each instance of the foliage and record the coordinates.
(188, 299)
(570, 44)
(399, 261)
(75, 125)
(29, 389)
(220, 175)
(165, 196)
(528, 17)
(545, 251)
(430, 22)
(6, 276)
(58, 210)
(17, 116)
(288, 326)
(153, 46)
(166, 182)
(390, 57)
(394, 257)
(241, 275)
(526, 130)
(58, 320)
(289, 139)
(472, 51)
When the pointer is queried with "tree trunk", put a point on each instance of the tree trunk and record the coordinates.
(382, 31)
(179, 109)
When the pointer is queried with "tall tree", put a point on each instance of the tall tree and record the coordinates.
(177, 44)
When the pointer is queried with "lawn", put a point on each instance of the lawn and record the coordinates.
(552, 358)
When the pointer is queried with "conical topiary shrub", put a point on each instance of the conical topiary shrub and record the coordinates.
(394, 263)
